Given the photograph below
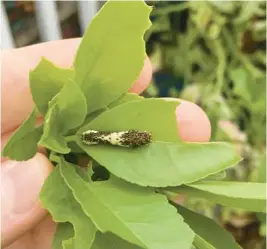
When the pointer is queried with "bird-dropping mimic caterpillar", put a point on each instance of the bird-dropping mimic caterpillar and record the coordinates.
(131, 138)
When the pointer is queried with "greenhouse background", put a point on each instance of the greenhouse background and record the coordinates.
(212, 53)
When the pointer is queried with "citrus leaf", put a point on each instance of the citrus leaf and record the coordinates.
(209, 234)
(169, 162)
(67, 110)
(22, 145)
(112, 52)
(111, 241)
(162, 164)
(64, 232)
(131, 212)
(140, 115)
(46, 80)
(245, 195)
(57, 198)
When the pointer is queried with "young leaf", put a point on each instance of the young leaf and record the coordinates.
(209, 234)
(131, 212)
(112, 52)
(66, 111)
(244, 195)
(163, 164)
(111, 241)
(46, 80)
(22, 145)
(63, 233)
(57, 198)
(140, 115)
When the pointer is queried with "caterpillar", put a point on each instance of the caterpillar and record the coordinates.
(130, 138)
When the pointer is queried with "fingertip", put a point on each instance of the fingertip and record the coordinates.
(193, 123)
(144, 79)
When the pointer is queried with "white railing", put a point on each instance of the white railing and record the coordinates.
(48, 20)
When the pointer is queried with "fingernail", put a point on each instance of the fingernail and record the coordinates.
(21, 184)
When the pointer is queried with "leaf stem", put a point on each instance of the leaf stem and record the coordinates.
(71, 138)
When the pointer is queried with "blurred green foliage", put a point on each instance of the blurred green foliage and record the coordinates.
(214, 54)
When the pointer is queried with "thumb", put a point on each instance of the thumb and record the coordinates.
(21, 184)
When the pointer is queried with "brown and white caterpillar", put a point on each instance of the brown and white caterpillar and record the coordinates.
(131, 138)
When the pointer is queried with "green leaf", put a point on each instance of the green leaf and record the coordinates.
(209, 234)
(67, 110)
(169, 162)
(46, 80)
(112, 52)
(64, 232)
(244, 195)
(57, 198)
(22, 145)
(140, 115)
(131, 212)
(162, 164)
(111, 241)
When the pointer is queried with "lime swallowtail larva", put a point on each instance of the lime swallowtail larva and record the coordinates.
(131, 138)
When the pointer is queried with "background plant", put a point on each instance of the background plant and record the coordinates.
(214, 54)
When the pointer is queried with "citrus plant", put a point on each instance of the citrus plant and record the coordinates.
(125, 196)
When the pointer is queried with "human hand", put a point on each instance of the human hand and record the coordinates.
(25, 224)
